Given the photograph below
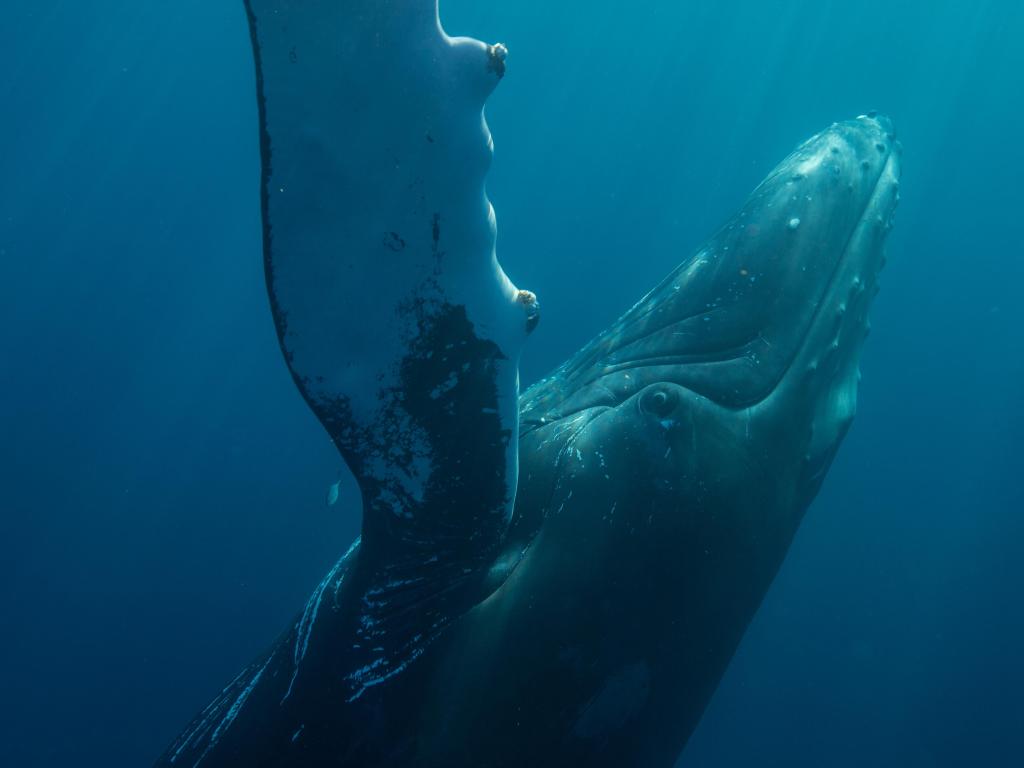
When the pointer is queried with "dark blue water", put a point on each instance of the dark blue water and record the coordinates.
(163, 485)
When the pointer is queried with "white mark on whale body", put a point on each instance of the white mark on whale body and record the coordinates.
(445, 386)
(305, 626)
(373, 673)
(232, 713)
(205, 716)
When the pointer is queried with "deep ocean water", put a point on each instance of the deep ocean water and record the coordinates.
(163, 484)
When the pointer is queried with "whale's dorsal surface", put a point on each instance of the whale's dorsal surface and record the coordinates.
(579, 609)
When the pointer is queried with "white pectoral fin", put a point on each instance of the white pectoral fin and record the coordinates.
(399, 327)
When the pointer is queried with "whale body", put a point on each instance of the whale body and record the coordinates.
(572, 596)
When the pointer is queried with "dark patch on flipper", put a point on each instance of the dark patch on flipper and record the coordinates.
(436, 552)
(450, 375)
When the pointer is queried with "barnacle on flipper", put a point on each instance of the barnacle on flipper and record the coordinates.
(496, 55)
(528, 299)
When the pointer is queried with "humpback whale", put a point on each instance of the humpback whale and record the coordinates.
(559, 578)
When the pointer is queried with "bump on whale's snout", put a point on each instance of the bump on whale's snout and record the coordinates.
(845, 186)
(816, 390)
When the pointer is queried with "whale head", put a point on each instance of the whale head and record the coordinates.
(746, 357)
(664, 469)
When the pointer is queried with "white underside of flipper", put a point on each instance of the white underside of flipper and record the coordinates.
(398, 324)
(380, 245)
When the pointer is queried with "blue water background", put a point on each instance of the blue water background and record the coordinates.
(162, 484)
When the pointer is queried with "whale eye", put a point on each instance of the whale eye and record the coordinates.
(659, 402)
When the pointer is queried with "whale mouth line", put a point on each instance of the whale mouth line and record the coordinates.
(723, 355)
